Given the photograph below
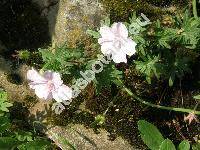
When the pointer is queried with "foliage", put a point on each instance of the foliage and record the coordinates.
(152, 137)
(163, 51)
(149, 67)
(150, 134)
(166, 52)
(184, 145)
(71, 61)
(62, 59)
(11, 138)
(197, 97)
(167, 145)
(4, 105)
(196, 146)
(108, 76)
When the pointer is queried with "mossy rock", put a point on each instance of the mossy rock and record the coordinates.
(73, 19)
(121, 10)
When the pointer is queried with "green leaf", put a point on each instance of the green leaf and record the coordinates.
(3, 104)
(184, 145)
(197, 97)
(94, 34)
(150, 67)
(167, 145)
(38, 144)
(4, 123)
(7, 143)
(3, 96)
(150, 135)
(109, 75)
(196, 146)
(24, 136)
(105, 22)
(171, 80)
(63, 59)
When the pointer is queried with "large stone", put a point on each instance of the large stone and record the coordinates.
(86, 139)
(69, 19)
(74, 18)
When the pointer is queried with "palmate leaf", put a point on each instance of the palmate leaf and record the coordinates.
(24, 136)
(190, 30)
(39, 144)
(3, 104)
(62, 59)
(4, 123)
(185, 31)
(7, 143)
(105, 22)
(109, 75)
(94, 34)
(166, 36)
(150, 135)
(178, 68)
(150, 67)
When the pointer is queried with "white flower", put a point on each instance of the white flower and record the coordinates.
(49, 85)
(115, 41)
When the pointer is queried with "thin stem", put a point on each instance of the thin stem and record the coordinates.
(194, 5)
(158, 106)
(196, 106)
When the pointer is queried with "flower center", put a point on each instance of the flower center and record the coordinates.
(50, 86)
(118, 42)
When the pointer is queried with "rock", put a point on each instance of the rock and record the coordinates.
(74, 18)
(68, 20)
(85, 139)
(17, 92)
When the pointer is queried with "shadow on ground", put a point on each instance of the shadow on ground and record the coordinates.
(25, 25)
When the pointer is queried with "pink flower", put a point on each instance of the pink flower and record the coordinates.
(49, 85)
(191, 117)
(115, 41)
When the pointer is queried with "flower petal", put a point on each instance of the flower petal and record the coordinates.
(119, 57)
(120, 29)
(106, 33)
(107, 48)
(34, 76)
(42, 91)
(129, 47)
(57, 79)
(62, 94)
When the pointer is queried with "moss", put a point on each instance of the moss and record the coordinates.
(120, 10)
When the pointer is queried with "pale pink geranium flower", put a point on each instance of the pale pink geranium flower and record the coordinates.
(115, 41)
(49, 85)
